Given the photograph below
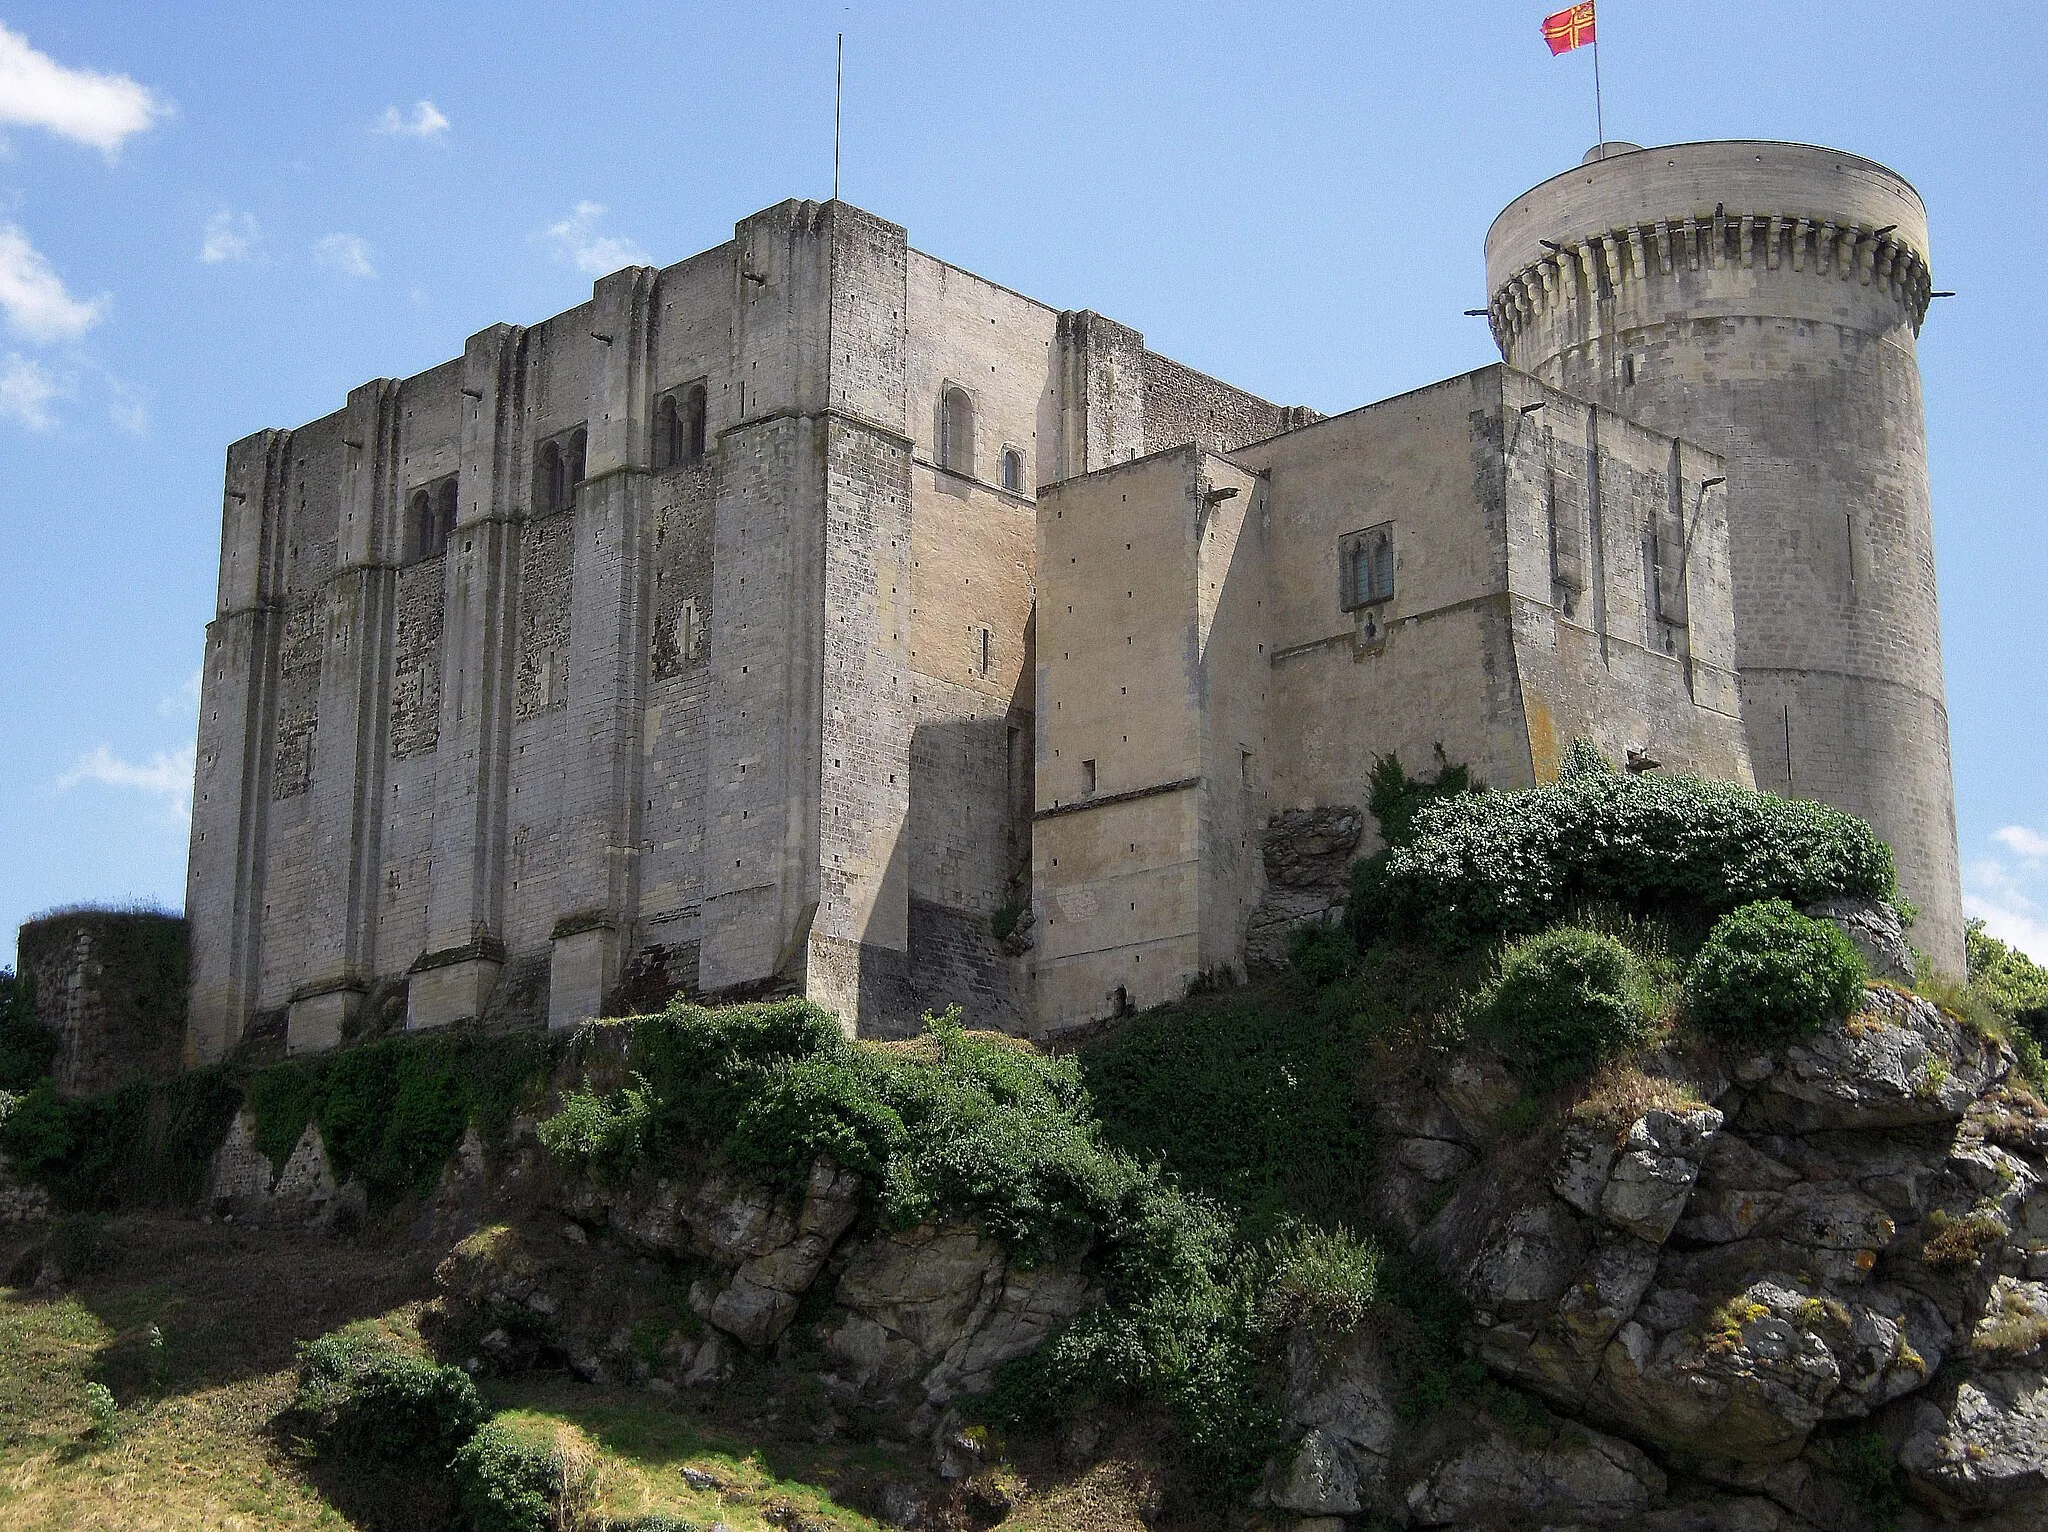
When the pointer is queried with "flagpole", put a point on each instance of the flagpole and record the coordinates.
(839, 94)
(1599, 111)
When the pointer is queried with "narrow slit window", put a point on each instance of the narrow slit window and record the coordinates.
(1013, 470)
(1087, 776)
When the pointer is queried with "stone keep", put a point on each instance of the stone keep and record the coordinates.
(1763, 300)
(680, 641)
(692, 640)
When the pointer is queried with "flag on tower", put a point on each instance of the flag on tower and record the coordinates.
(1570, 28)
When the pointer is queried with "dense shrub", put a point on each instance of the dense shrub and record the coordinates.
(1565, 999)
(1394, 797)
(142, 1145)
(359, 1398)
(1481, 866)
(1250, 1100)
(504, 1483)
(2010, 981)
(954, 1125)
(1767, 972)
(1321, 954)
(601, 1134)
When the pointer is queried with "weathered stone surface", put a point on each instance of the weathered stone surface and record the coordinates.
(1981, 1443)
(1583, 1165)
(1896, 1063)
(1307, 855)
(21, 1200)
(764, 1293)
(1654, 1172)
(1319, 1480)
(1875, 928)
(1581, 1476)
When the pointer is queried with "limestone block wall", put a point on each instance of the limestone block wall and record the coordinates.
(1138, 835)
(1765, 300)
(739, 707)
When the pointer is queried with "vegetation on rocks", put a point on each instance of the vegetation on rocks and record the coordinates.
(1482, 866)
(1767, 972)
(1566, 998)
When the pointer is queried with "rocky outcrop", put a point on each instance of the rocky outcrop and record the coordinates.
(21, 1200)
(1874, 926)
(1307, 855)
(1847, 1234)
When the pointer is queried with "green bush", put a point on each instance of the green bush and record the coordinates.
(1767, 972)
(2010, 981)
(505, 1484)
(1487, 865)
(954, 1126)
(1321, 954)
(143, 1144)
(1326, 1279)
(26, 1046)
(1565, 999)
(1395, 797)
(391, 1112)
(602, 1134)
(363, 1400)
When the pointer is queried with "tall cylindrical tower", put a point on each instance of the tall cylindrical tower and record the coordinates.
(1763, 300)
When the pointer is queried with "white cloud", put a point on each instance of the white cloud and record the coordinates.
(26, 390)
(2031, 844)
(348, 254)
(426, 121)
(37, 305)
(576, 240)
(79, 104)
(166, 776)
(228, 237)
(2012, 902)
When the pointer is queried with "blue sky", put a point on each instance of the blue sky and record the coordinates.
(215, 218)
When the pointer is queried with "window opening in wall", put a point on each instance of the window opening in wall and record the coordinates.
(1244, 767)
(668, 433)
(956, 432)
(557, 470)
(422, 525)
(1628, 372)
(549, 485)
(444, 514)
(985, 644)
(693, 423)
(1087, 776)
(1013, 470)
(1365, 564)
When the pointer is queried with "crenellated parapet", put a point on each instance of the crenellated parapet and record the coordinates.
(1629, 264)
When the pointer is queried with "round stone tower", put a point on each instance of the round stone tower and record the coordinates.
(1762, 300)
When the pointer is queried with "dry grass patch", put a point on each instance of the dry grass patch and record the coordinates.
(1622, 1093)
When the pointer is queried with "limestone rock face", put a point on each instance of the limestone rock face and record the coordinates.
(1853, 1216)
(1875, 928)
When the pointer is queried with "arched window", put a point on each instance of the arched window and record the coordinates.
(572, 460)
(956, 432)
(1013, 470)
(549, 485)
(693, 423)
(668, 433)
(1366, 566)
(444, 517)
(422, 525)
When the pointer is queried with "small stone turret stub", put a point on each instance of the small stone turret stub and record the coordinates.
(1764, 300)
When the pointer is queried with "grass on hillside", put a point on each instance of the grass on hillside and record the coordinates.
(193, 1327)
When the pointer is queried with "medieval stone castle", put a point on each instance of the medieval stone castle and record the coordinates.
(815, 616)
